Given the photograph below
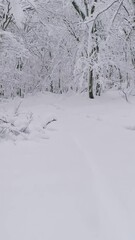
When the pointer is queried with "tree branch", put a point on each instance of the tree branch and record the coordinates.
(104, 10)
(79, 11)
(86, 8)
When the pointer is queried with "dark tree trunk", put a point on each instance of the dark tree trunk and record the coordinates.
(91, 95)
(51, 86)
(83, 16)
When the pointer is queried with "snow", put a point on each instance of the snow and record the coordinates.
(18, 12)
(76, 182)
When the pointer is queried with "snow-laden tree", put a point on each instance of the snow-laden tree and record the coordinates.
(49, 36)
(62, 45)
(117, 59)
(18, 73)
(108, 50)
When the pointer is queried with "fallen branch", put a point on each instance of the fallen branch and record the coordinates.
(7, 127)
(17, 108)
(5, 121)
(49, 122)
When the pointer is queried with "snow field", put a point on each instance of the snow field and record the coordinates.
(75, 178)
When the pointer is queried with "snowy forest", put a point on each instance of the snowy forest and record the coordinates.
(63, 45)
(67, 119)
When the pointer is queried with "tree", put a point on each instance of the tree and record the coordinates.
(107, 54)
(63, 45)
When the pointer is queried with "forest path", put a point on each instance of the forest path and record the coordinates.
(79, 182)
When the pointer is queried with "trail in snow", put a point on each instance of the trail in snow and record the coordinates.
(79, 182)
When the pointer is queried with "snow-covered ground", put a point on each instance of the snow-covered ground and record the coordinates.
(73, 178)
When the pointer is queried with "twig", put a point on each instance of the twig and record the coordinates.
(49, 122)
(104, 10)
(5, 121)
(17, 108)
(125, 95)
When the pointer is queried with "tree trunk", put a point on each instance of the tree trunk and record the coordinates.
(51, 86)
(91, 31)
(91, 95)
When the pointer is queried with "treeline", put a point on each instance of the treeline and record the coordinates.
(59, 46)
